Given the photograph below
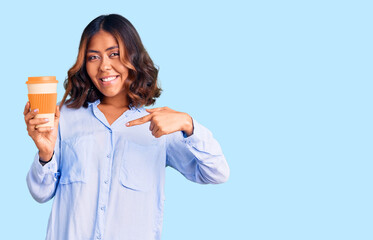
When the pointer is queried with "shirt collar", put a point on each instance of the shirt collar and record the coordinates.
(136, 108)
(95, 103)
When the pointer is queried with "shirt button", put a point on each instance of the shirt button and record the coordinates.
(108, 156)
(103, 208)
(98, 237)
(106, 182)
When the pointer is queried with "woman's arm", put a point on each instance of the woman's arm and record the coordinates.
(191, 148)
(198, 157)
(42, 179)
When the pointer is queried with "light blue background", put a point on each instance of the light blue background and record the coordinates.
(285, 86)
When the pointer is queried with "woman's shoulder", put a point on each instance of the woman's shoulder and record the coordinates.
(69, 116)
(66, 110)
(74, 120)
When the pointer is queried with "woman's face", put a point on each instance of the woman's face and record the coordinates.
(104, 67)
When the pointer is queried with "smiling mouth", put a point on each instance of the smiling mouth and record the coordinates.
(108, 79)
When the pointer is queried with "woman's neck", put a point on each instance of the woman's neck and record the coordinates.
(116, 102)
(113, 108)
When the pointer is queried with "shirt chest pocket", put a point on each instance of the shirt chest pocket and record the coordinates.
(141, 166)
(74, 160)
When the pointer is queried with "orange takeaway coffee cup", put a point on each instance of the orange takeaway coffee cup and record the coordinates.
(42, 94)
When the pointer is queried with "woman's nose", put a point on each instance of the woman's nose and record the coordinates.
(105, 64)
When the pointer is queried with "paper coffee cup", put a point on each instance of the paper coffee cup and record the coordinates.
(42, 94)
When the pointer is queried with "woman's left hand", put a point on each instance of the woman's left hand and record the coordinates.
(165, 121)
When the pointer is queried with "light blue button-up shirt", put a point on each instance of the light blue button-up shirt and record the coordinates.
(107, 181)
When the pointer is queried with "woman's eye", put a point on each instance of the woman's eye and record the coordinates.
(114, 54)
(90, 58)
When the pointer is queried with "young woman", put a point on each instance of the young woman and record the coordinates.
(104, 161)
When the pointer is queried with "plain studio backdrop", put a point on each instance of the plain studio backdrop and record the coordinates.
(285, 86)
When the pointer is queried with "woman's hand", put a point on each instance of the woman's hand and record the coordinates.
(165, 121)
(43, 137)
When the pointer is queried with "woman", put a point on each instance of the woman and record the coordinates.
(104, 161)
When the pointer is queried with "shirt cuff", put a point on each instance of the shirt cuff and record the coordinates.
(50, 167)
(199, 133)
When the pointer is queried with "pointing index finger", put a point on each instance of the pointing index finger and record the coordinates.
(139, 121)
(151, 110)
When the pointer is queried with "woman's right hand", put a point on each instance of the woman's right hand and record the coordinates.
(43, 137)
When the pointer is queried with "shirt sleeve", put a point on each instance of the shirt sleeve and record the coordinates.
(42, 180)
(198, 157)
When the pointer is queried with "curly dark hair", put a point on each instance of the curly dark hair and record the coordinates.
(141, 83)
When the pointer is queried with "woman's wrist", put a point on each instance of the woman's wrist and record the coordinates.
(44, 158)
(188, 125)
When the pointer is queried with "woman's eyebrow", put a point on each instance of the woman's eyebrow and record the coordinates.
(108, 49)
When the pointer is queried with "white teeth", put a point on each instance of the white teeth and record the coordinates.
(108, 79)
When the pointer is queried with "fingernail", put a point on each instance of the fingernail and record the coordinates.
(46, 119)
(35, 110)
(52, 128)
(127, 124)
